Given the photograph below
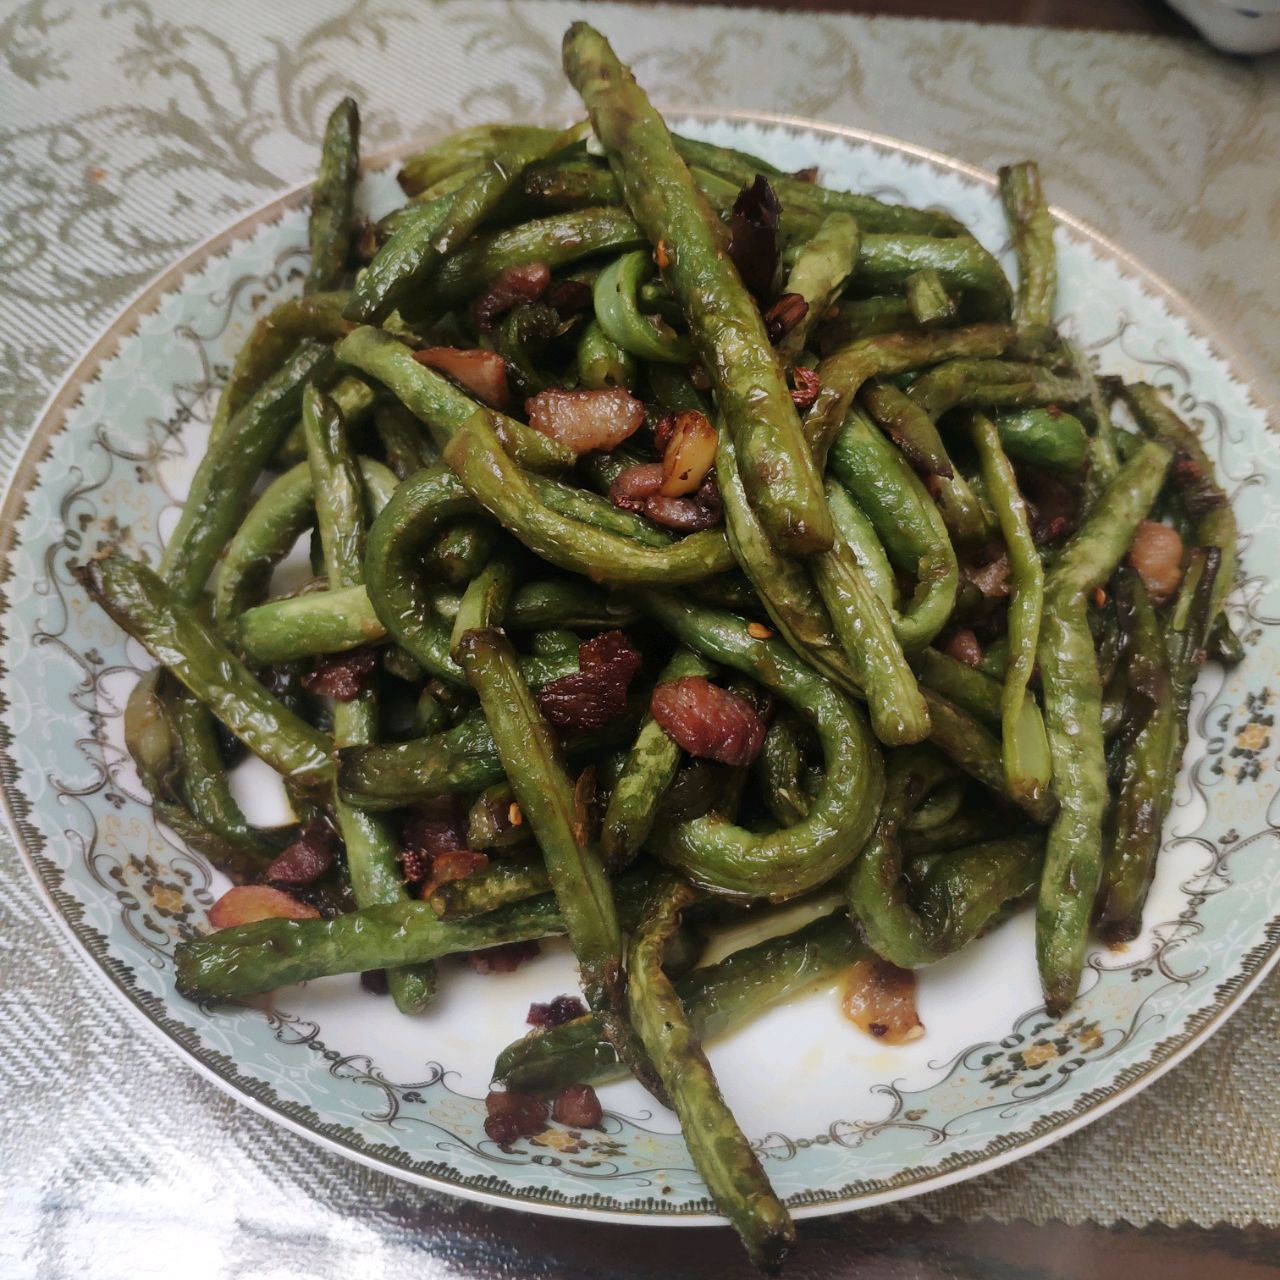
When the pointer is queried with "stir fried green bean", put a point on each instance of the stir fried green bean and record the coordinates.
(802, 558)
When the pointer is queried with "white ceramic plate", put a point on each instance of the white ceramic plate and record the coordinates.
(839, 1121)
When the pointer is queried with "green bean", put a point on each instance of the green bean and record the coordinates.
(273, 338)
(592, 509)
(938, 806)
(1047, 438)
(414, 252)
(275, 522)
(884, 355)
(489, 824)
(648, 773)
(928, 299)
(301, 626)
(1032, 227)
(720, 1151)
(153, 614)
(907, 522)
(576, 184)
(1027, 765)
(783, 584)
(373, 864)
(717, 998)
(913, 432)
(1213, 522)
(985, 383)
(618, 313)
(396, 587)
(484, 602)
(552, 807)
(513, 499)
(872, 214)
(514, 877)
(601, 362)
(963, 738)
(1073, 717)
(1134, 823)
(730, 860)
(1104, 461)
(226, 474)
(960, 262)
(821, 271)
(862, 622)
(559, 240)
(333, 198)
(778, 471)
(437, 403)
(859, 318)
(334, 621)
(460, 550)
(1224, 645)
(970, 890)
(177, 757)
(974, 826)
(405, 446)
(250, 958)
(876, 892)
(468, 148)
(780, 769)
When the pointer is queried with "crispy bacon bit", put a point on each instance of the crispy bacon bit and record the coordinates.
(964, 647)
(526, 282)
(374, 981)
(433, 827)
(307, 858)
(784, 315)
(636, 489)
(1054, 505)
(343, 676)
(753, 236)
(577, 1107)
(597, 692)
(511, 1116)
(880, 999)
(457, 864)
(806, 175)
(1157, 556)
(247, 903)
(662, 255)
(805, 386)
(707, 721)
(483, 373)
(991, 579)
(506, 958)
(554, 1012)
(663, 430)
(585, 420)
(688, 455)
(569, 297)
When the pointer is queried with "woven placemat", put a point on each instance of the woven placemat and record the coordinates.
(132, 130)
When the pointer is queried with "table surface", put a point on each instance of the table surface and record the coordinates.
(116, 1161)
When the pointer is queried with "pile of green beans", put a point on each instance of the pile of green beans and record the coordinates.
(964, 699)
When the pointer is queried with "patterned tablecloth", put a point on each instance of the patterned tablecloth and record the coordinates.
(131, 130)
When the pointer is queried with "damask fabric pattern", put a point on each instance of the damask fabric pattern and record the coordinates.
(129, 131)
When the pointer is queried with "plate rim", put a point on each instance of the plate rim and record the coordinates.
(1259, 390)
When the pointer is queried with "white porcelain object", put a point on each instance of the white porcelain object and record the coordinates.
(840, 1120)
(1235, 27)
